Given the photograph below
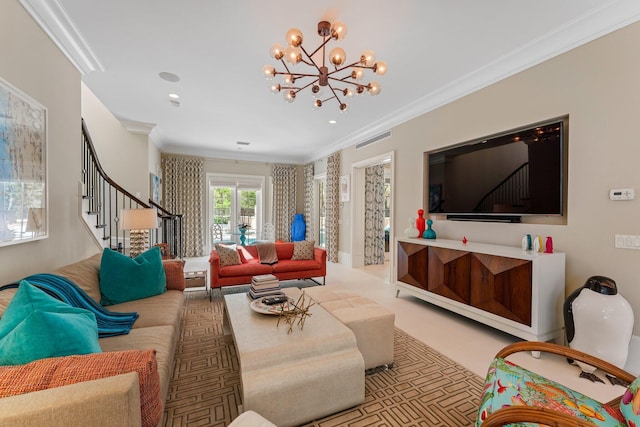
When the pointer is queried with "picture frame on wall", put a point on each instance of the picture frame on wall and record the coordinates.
(23, 174)
(345, 188)
(155, 188)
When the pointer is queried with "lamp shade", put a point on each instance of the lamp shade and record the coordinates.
(138, 219)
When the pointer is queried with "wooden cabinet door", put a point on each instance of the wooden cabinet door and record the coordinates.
(412, 264)
(449, 273)
(502, 286)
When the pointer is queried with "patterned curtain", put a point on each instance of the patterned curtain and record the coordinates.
(374, 215)
(308, 201)
(284, 200)
(333, 206)
(183, 192)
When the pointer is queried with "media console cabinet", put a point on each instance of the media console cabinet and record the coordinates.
(515, 291)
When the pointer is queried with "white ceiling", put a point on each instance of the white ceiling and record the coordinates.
(436, 51)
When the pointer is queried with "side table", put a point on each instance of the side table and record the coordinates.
(197, 279)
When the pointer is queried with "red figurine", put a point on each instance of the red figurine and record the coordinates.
(549, 245)
(420, 222)
(464, 240)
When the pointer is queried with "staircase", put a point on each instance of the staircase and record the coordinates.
(103, 199)
(511, 194)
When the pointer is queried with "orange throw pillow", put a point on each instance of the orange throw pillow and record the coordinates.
(58, 371)
(174, 270)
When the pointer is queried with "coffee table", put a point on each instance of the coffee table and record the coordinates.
(294, 378)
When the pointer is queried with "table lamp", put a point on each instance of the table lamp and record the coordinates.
(138, 222)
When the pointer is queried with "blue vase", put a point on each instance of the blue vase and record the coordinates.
(298, 228)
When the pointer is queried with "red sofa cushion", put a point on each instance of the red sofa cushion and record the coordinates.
(245, 269)
(288, 265)
(284, 250)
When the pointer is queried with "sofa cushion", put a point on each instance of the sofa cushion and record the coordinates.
(246, 269)
(284, 250)
(228, 254)
(126, 279)
(303, 249)
(35, 326)
(247, 254)
(288, 265)
(174, 271)
(85, 274)
(60, 371)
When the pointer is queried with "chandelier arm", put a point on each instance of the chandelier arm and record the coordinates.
(337, 70)
(326, 40)
(307, 85)
(310, 59)
(342, 80)
(335, 94)
(285, 66)
(297, 75)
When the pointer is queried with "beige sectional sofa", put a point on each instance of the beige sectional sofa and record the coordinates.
(113, 401)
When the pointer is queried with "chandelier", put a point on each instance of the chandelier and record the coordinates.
(341, 81)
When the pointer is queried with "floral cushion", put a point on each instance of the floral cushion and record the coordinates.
(630, 404)
(508, 384)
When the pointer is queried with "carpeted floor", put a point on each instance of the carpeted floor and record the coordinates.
(423, 389)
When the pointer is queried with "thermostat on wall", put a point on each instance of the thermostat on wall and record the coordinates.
(621, 194)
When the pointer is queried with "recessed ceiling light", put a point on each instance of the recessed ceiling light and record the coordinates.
(333, 122)
(174, 96)
(170, 77)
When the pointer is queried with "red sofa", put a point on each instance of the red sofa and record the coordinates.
(284, 269)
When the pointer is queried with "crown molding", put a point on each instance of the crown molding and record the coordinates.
(137, 127)
(54, 21)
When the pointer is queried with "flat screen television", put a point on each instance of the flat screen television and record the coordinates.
(502, 177)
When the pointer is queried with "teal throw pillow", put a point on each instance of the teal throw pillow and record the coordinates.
(125, 279)
(36, 326)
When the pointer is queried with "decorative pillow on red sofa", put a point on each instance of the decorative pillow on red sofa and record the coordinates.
(58, 371)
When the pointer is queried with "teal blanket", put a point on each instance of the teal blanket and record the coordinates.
(109, 323)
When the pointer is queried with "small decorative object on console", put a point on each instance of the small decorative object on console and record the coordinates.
(549, 245)
(429, 233)
(464, 240)
(411, 230)
(420, 222)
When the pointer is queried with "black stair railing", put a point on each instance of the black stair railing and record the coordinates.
(106, 199)
(513, 191)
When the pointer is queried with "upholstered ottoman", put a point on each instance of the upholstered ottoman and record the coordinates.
(372, 324)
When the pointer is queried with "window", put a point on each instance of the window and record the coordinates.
(234, 202)
(321, 185)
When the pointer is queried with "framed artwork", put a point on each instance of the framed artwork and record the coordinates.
(345, 188)
(155, 188)
(23, 167)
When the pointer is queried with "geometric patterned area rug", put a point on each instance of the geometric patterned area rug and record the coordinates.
(424, 388)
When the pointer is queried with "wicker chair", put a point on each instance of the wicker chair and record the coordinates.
(575, 408)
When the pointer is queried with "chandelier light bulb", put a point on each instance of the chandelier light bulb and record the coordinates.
(357, 73)
(367, 58)
(338, 30)
(343, 108)
(289, 95)
(289, 79)
(317, 91)
(348, 92)
(277, 51)
(317, 104)
(380, 68)
(269, 72)
(294, 37)
(360, 89)
(374, 88)
(275, 88)
(293, 55)
(337, 56)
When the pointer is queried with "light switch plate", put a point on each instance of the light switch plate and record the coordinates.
(621, 194)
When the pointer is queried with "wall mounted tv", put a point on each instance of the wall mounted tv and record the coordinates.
(502, 177)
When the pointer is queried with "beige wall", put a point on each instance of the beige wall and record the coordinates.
(126, 157)
(598, 86)
(32, 63)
